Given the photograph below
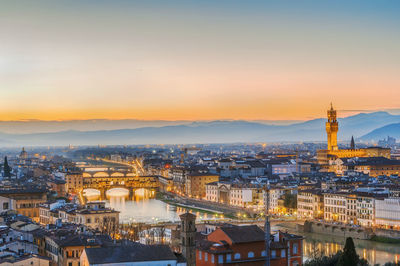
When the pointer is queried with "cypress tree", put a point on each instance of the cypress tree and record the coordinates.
(7, 168)
(349, 256)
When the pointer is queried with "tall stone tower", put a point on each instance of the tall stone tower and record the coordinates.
(188, 235)
(332, 128)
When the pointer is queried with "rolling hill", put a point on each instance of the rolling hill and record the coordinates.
(208, 132)
(392, 130)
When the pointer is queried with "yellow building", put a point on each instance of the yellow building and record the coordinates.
(333, 152)
(74, 182)
(195, 184)
(27, 200)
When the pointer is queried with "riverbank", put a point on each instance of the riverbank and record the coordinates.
(373, 234)
(192, 206)
(228, 211)
(388, 240)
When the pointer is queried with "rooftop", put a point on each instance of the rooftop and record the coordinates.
(134, 252)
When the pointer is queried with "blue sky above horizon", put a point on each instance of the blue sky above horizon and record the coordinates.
(197, 60)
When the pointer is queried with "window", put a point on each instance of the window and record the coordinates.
(263, 253)
(273, 253)
(199, 254)
(237, 256)
(212, 258)
(220, 258)
(5, 206)
(69, 263)
(228, 257)
(250, 254)
(205, 256)
(283, 253)
(295, 248)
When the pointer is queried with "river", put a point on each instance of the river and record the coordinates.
(149, 210)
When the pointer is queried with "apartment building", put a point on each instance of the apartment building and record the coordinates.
(310, 204)
(335, 207)
(365, 210)
(196, 184)
(272, 195)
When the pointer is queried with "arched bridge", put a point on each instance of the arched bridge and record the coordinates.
(105, 180)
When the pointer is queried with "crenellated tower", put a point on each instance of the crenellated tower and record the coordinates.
(332, 128)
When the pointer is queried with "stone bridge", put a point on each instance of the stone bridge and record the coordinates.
(106, 180)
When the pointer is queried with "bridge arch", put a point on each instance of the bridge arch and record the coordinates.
(117, 174)
(91, 193)
(100, 174)
(86, 174)
(117, 191)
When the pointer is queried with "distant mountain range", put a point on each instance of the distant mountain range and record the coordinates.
(42, 126)
(91, 132)
(392, 130)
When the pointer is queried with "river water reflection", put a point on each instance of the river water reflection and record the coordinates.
(147, 209)
(373, 252)
(150, 210)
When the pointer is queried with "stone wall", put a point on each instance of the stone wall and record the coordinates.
(336, 230)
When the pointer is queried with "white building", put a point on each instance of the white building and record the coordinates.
(284, 170)
(335, 207)
(310, 204)
(365, 211)
(212, 192)
(274, 195)
(6, 204)
(387, 213)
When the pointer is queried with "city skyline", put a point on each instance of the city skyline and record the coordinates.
(174, 60)
(199, 132)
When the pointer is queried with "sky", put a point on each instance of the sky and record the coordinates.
(197, 60)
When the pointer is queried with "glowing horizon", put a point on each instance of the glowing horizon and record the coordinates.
(206, 60)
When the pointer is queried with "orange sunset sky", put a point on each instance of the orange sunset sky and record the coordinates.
(197, 60)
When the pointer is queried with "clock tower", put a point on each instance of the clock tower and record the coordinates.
(332, 128)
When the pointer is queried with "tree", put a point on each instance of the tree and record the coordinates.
(290, 201)
(7, 168)
(349, 256)
(325, 260)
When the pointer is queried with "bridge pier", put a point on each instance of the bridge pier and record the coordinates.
(103, 195)
(131, 194)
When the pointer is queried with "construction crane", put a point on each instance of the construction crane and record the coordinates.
(267, 229)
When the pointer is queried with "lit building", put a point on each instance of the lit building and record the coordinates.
(94, 215)
(243, 195)
(272, 195)
(387, 213)
(74, 182)
(365, 210)
(245, 245)
(310, 204)
(26, 200)
(195, 186)
(333, 152)
(335, 207)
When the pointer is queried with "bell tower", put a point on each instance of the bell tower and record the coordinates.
(188, 236)
(332, 128)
